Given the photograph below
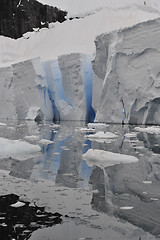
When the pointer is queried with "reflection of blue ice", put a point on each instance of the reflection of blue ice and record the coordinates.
(84, 170)
(52, 156)
(84, 174)
(86, 146)
(55, 158)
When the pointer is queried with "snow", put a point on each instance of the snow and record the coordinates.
(103, 158)
(18, 204)
(84, 7)
(77, 35)
(17, 149)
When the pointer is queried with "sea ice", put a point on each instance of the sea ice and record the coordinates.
(17, 149)
(103, 158)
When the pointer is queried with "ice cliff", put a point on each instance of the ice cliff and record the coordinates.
(57, 90)
(121, 85)
(127, 75)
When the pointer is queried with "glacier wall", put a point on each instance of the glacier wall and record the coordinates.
(7, 106)
(55, 90)
(121, 85)
(127, 75)
(30, 91)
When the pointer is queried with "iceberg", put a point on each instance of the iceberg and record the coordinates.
(104, 159)
(17, 149)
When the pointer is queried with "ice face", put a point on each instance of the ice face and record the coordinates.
(31, 92)
(7, 106)
(87, 73)
(130, 90)
(69, 81)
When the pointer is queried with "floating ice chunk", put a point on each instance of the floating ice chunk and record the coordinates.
(56, 153)
(128, 135)
(138, 147)
(18, 204)
(45, 141)
(2, 124)
(152, 129)
(126, 208)
(103, 158)
(154, 199)
(85, 130)
(147, 182)
(17, 148)
(102, 135)
(32, 137)
(97, 125)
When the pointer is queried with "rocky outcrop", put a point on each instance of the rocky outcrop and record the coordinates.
(20, 16)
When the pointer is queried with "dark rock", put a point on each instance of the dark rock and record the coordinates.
(21, 222)
(20, 16)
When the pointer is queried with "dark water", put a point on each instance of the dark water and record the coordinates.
(102, 201)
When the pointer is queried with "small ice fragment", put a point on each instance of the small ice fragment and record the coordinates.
(145, 193)
(2, 124)
(147, 182)
(32, 137)
(130, 135)
(18, 204)
(45, 141)
(151, 130)
(95, 191)
(139, 147)
(4, 225)
(85, 130)
(126, 208)
(154, 199)
(102, 135)
(97, 125)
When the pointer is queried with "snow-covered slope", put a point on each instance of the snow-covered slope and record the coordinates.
(81, 8)
(77, 35)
